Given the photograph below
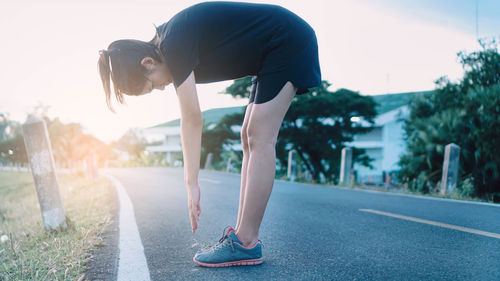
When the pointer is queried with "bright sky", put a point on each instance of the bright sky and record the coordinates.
(49, 52)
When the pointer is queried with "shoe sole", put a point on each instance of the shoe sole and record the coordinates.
(231, 263)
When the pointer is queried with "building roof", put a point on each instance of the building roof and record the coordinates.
(390, 102)
(209, 116)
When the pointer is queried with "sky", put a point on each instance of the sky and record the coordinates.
(49, 52)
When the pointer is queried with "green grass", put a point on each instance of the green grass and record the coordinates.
(32, 253)
(457, 193)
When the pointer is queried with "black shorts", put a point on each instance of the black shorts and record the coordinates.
(292, 56)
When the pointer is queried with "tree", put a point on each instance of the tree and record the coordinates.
(317, 125)
(216, 136)
(12, 148)
(240, 88)
(466, 113)
(5, 124)
(68, 141)
(132, 142)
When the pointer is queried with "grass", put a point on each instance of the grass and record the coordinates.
(456, 194)
(31, 252)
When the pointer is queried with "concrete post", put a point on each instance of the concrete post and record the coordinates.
(450, 168)
(169, 159)
(208, 162)
(292, 165)
(308, 175)
(345, 166)
(228, 167)
(39, 151)
(387, 179)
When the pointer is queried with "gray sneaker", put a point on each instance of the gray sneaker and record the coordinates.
(229, 252)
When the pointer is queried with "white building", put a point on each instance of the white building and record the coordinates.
(384, 143)
(166, 138)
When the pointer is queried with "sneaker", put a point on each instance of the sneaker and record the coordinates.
(230, 252)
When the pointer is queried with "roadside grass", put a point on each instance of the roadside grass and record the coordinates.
(31, 252)
(457, 194)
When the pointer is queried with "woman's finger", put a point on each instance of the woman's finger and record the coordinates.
(194, 220)
(195, 225)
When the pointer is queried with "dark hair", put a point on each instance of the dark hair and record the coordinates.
(126, 70)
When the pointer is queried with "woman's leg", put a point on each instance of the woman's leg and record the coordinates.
(244, 165)
(263, 128)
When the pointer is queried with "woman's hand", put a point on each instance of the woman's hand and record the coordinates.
(193, 191)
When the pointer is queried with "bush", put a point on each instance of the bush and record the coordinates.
(466, 113)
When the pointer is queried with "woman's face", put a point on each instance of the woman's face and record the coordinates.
(157, 77)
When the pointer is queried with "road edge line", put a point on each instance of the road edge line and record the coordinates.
(132, 264)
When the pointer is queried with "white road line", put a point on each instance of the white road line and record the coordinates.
(132, 263)
(445, 225)
(209, 180)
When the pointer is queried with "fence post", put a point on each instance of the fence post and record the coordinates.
(450, 168)
(168, 159)
(387, 179)
(345, 166)
(292, 165)
(228, 167)
(39, 151)
(208, 161)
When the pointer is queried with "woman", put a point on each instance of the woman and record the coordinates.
(215, 41)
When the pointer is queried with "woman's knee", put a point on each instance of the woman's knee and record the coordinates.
(261, 134)
(244, 128)
(256, 142)
(244, 139)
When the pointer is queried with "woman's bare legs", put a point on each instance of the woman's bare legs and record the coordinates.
(262, 132)
(244, 165)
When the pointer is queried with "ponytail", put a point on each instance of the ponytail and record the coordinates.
(105, 72)
(121, 63)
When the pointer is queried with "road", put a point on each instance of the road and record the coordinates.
(313, 232)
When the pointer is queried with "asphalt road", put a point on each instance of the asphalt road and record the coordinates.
(311, 232)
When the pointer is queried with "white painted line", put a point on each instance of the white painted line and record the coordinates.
(209, 180)
(132, 265)
(445, 225)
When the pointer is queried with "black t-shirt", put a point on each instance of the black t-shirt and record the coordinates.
(220, 40)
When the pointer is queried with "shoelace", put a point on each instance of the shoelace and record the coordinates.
(223, 242)
(223, 234)
(230, 242)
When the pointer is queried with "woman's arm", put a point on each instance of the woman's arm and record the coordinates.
(191, 127)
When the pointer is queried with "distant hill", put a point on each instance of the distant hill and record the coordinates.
(385, 103)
